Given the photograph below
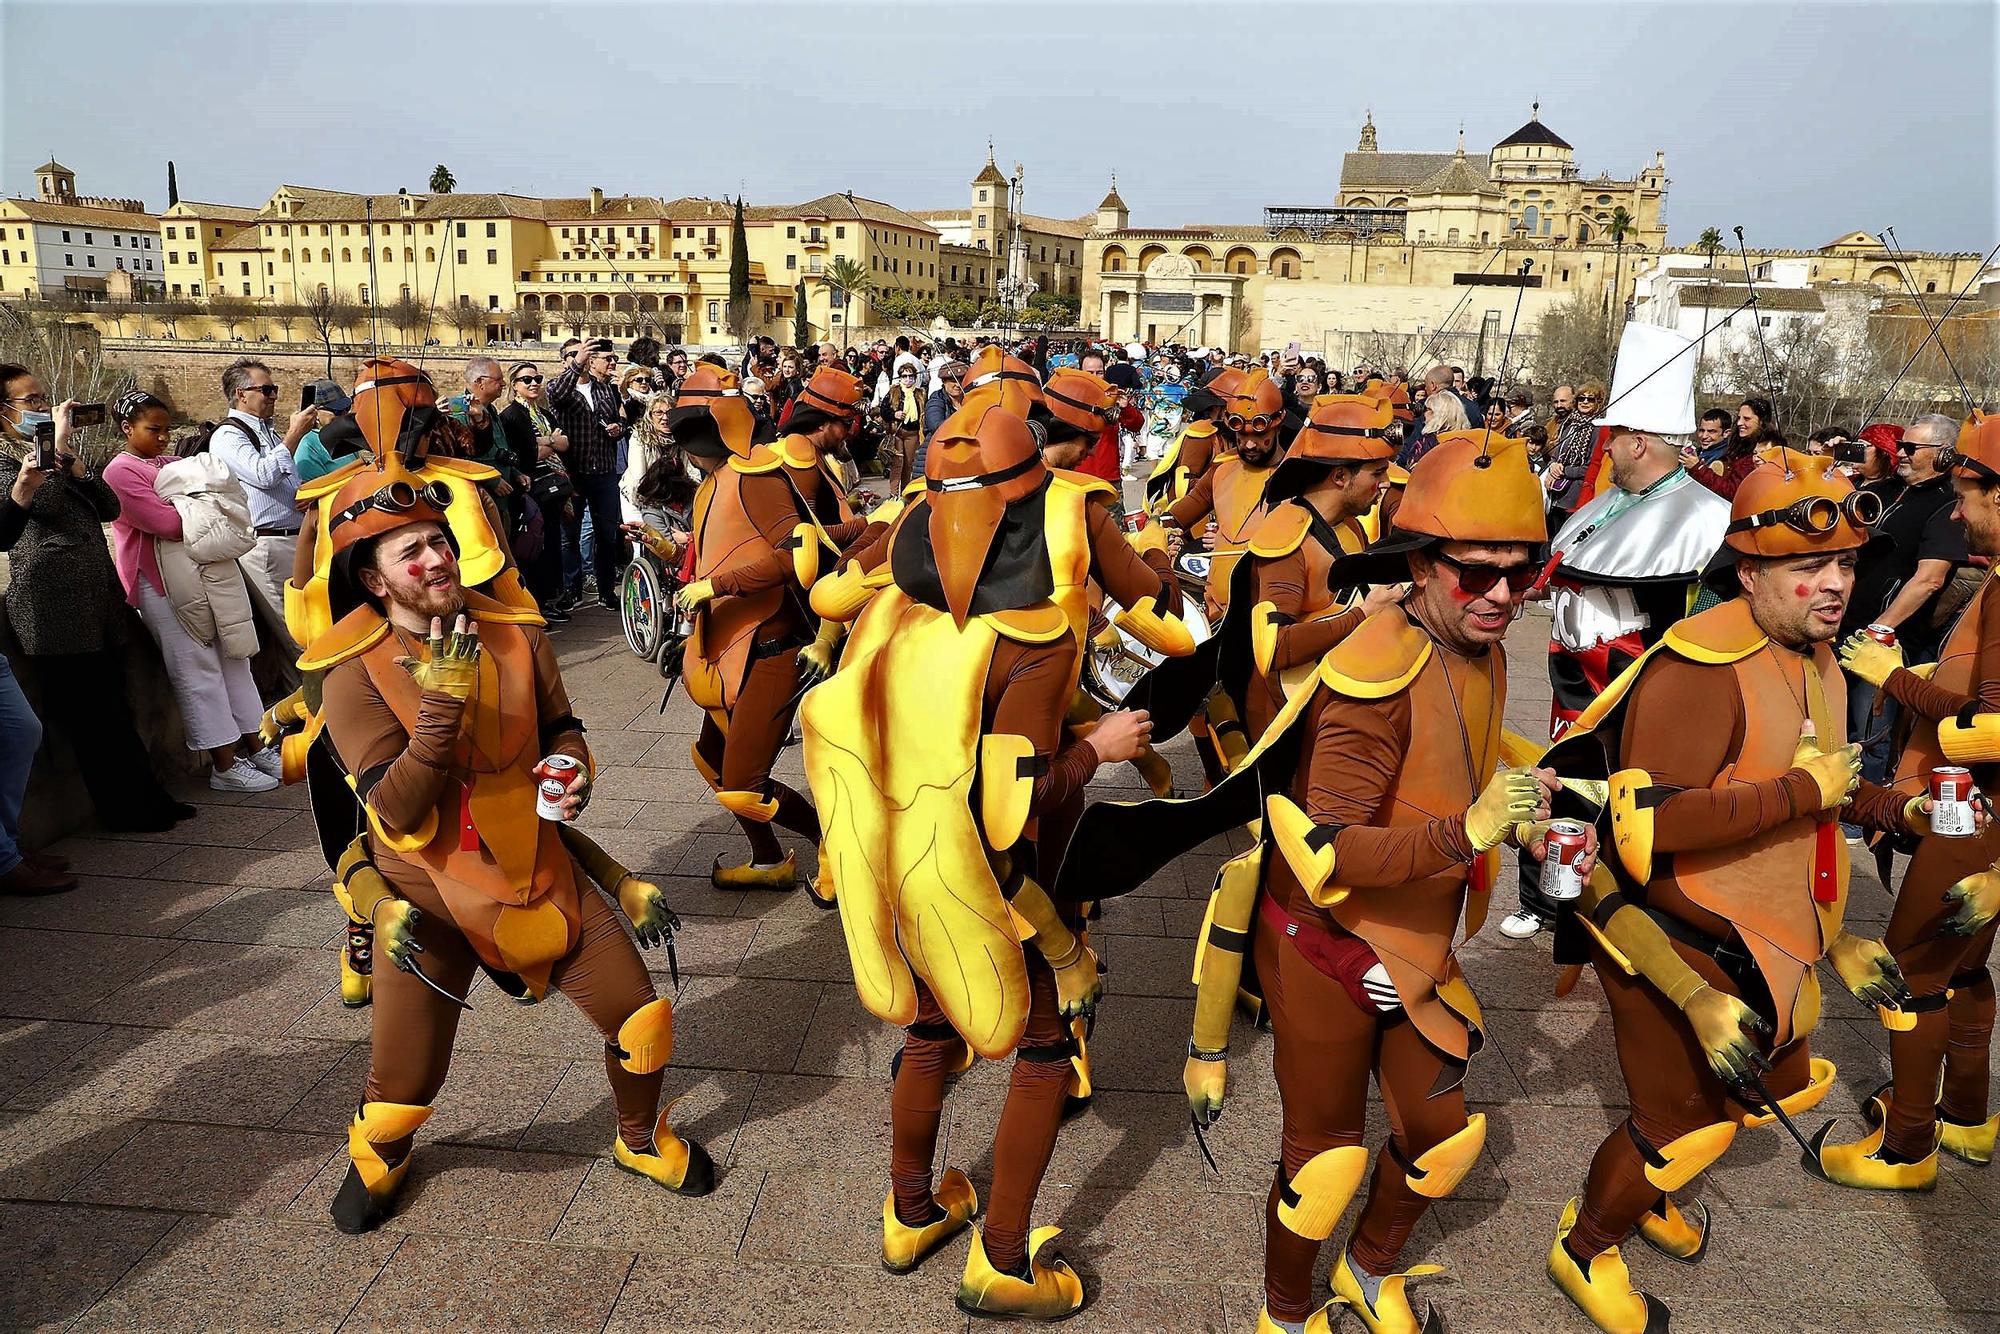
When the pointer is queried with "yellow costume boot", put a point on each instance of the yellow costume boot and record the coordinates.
(1605, 1294)
(1676, 1235)
(372, 1181)
(1319, 1322)
(954, 1203)
(785, 875)
(1865, 1165)
(1971, 1141)
(1390, 1312)
(681, 1165)
(1052, 1291)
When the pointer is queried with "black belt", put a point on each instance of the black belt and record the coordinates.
(771, 648)
(1731, 955)
(263, 531)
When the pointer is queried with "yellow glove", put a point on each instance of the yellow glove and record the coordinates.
(818, 659)
(694, 595)
(287, 711)
(1917, 815)
(453, 668)
(1205, 1077)
(1075, 965)
(395, 931)
(1510, 797)
(659, 543)
(1869, 659)
(1837, 772)
(1867, 969)
(1978, 900)
(1719, 1020)
(646, 907)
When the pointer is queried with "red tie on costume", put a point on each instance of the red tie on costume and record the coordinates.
(1826, 845)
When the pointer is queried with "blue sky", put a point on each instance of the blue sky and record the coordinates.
(1797, 122)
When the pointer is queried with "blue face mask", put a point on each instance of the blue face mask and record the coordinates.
(28, 421)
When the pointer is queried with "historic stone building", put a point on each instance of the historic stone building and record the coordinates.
(991, 238)
(60, 244)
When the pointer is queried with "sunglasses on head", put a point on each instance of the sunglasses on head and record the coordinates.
(1479, 579)
(1256, 425)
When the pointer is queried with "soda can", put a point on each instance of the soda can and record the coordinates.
(554, 774)
(1952, 795)
(1881, 634)
(1561, 880)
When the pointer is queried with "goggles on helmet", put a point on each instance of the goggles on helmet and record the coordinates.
(397, 498)
(1256, 425)
(1816, 516)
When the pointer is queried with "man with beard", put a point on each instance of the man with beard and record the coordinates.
(764, 523)
(1628, 563)
(1940, 1041)
(445, 739)
(1725, 763)
(1386, 800)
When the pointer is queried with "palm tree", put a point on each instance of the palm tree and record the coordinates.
(847, 277)
(1620, 227)
(1710, 244)
(442, 181)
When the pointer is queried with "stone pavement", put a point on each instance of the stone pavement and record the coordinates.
(176, 1072)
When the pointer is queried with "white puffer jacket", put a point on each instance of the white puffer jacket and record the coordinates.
(203, 582)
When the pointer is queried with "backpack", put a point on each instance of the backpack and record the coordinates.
(198, 440)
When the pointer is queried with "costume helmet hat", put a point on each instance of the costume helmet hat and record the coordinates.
(1078, 400)
(980, 461)
(395, 407)
(1797, 504)
(1256, 394)
(1977, 454)
(832, 391)
(1471, 486)
(710, 416)
(1341, 428)
(1395, 395)
(997, 378)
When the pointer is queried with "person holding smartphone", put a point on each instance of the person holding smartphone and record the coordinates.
(64, 603)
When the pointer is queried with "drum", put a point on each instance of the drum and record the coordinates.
(1110, 670)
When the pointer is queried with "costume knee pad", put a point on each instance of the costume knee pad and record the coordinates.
(1438, 1170)
(749, 805)
(646, 1038)
(1807, 1098)
(1317, 1195)
(1681, 1160)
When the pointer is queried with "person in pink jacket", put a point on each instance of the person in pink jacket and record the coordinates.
(220, 707)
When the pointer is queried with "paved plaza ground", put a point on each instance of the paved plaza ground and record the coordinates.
(176, 1073)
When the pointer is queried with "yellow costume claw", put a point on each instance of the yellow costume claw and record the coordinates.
(1165, 634)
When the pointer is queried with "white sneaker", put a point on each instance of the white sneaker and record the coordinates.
(241, 776)
(269, 761)
(1520, 925)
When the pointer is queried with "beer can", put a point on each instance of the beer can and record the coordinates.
(1881, 634)
(1561, 880)
(1952, 795)
(554, 774)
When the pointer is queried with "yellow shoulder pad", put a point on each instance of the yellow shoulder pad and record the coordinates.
(351, 636)
(889, 510)
(1280, 532)
(485, 608)
(1977, 742)
(1632, 822)
(797, 451)
(841, 595)
(1398, 475)
(1722, 634)
(327, 484)
(1516, 751)
(1264, 636)
(1006, 786)
(1306, 847)
(1380, 659)
(1163, 633)
(410, 842)
(1043, 623)
(762, 459)
(1084, 483)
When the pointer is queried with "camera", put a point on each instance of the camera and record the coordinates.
(1851, 451)
(86, 414)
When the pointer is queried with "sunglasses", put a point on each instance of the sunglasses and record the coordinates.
(267, 390)
(527, 379)
(1586, 398)
(1256, 425)
(1480, 579)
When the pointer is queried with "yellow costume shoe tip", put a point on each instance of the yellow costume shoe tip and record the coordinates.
(1860, 1163)
(1391, 1312)
(356, 989)
(785, 875)
(1319, 1322)
(681, 1165)
(821, 889)
(1681, 1237)
(1052, 1291)
(1972, 1142)
(905, 1247)
(1605, 1295)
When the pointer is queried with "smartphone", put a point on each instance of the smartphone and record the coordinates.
(308, 396)
(45, 446)
(86, 414)
(1851, 451)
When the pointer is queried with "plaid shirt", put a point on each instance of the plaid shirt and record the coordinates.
(582, 407)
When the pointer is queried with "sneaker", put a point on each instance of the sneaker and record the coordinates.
(241, 776)
(1522, 925)
(555, 615)
(269, 761)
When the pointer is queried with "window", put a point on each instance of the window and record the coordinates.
(1451, 236)
(714, 310)
(346, 255)
(492, 229)
(711, 236)
(982, 221)
(791, 261)
(364, 294)
(173, 257)
(326, 256)
(492, 257)
(464, 301)
(492, 302)
(246, 289)
(246, 268)
(170, 233)
(194, 289)
(117, 240)
(218, 265)
(430, 254)
(461, 257)
(839, 234)
(89, 238)
(121, 261)
(270, 269)
(461, 229)
(65, 238)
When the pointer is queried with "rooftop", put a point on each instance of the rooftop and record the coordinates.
(1402, 171)
(1534, 132)
(1710, 296)
(82, 215)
